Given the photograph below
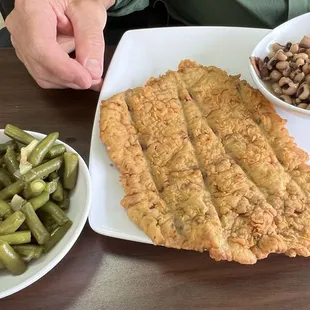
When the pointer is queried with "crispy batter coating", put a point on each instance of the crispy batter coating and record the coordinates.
(208, 165)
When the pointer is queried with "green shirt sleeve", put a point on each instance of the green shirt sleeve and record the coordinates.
(125, 7)
(246, 13)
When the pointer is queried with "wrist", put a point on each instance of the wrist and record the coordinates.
(108, 3)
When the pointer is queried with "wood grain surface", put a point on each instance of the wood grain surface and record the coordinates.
(105, 273)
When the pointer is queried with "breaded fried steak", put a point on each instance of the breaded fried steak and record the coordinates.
(208, 165)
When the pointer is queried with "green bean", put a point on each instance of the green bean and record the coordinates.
(51, 186)
(53, 176)
(11, 260)
(33, 222)
(4, 207)
(47, 221)
(19, 237)
(5, 178)
(30, 251)
(1, 266)
(18, 134)
(4, 146)
(11, 190)
(71, 164)
(12, 223)
(34, 188)
(55, 212)
(10, 161)
(1, 161)
(65, 203)
(56, 151)
(42, 171)
(58, 195)
(56, 236)
(39, 201)
(43, 147)
(17, 202)
(6, 215)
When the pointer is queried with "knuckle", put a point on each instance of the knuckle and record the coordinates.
(9, 21)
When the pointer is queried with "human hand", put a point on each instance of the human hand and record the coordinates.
(43, 32)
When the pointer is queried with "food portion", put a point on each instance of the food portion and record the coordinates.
(36, 178)
(286, 69)
(208, 165)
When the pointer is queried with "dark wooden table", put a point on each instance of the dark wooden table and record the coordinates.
(105, 273)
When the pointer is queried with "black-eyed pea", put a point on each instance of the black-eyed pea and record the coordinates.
(287, 46)
(303, 56)
(276, 88)
(290, 89)
(305, 42)
(288, 86)
(285, 81)
(297, 101)
(280, 55)
(276, 46)
(281, 65)
(306, 69)
(286, 99)
(307, 79)
(266, 59)
(302, 105)
(303, 91)
(294, 48)
(300, 62)
(292, 75)
(299, 77)
(271, 63)
(286, 72)
(275, 75)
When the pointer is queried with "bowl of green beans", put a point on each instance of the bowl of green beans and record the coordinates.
(45, 195)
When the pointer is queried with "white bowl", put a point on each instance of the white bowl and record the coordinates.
(291, 31)
(78, 212)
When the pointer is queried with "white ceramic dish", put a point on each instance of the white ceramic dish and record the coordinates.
(78, 212)
(291, 31)
(142, 54)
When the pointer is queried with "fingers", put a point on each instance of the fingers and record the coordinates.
(97, 85)
(88, 19)
(67, 43)
(36, 45)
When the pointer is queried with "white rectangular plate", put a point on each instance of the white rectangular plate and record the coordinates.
(142, 54)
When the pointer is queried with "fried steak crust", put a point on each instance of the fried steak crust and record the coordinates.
(208, 165)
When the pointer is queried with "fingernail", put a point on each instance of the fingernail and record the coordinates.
(94, 67)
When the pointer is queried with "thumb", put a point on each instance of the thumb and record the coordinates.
(88, 19)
